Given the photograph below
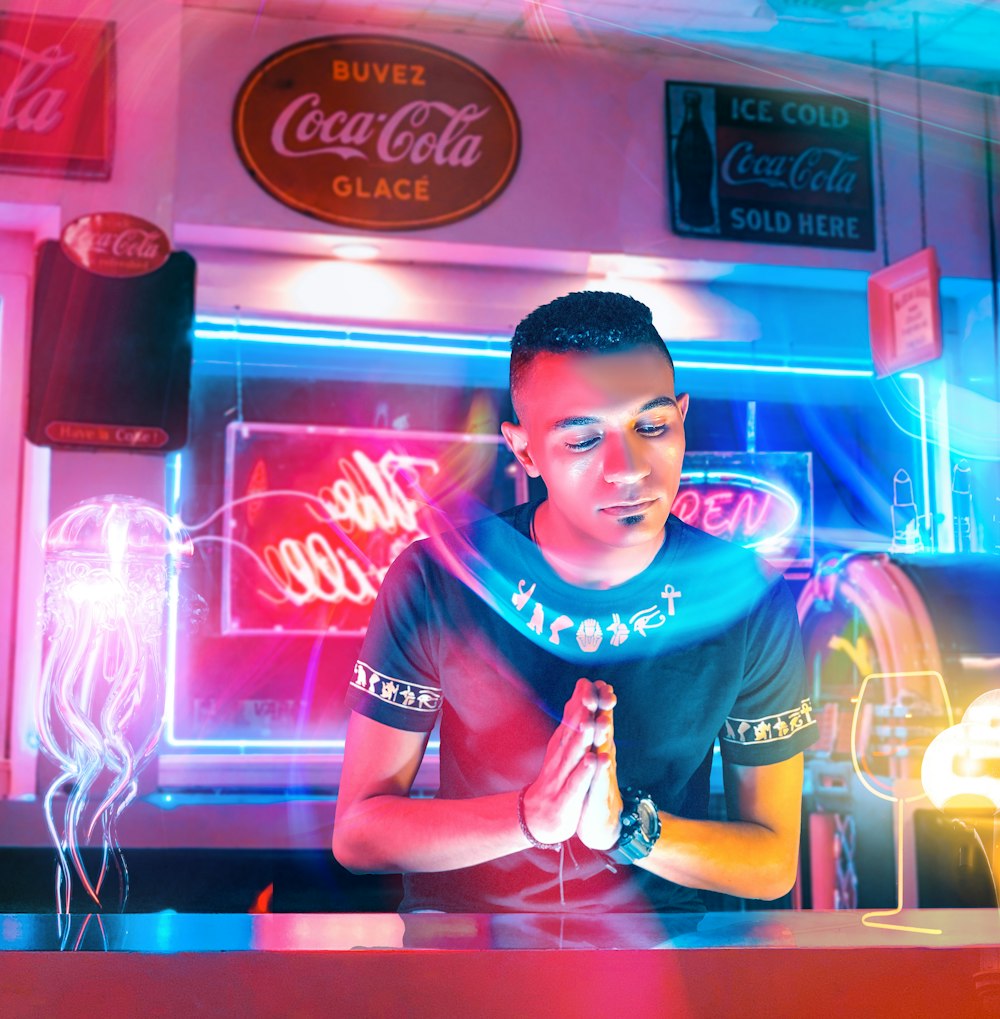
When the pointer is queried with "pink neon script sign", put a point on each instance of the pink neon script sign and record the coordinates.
(317, 515)
(366, 500)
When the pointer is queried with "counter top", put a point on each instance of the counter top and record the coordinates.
(779, 964)
(166, 933)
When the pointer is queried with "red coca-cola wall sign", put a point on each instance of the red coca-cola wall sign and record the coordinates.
(376, 133)
(115, 244)
(56, 96)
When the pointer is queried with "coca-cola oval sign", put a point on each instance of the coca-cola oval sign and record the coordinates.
(375, 133)
(115, 244)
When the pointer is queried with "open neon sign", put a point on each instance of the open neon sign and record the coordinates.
(764, 505)
(742, 508)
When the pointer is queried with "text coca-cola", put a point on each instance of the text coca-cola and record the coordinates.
(367, 498)
(418, 131)
(27, 104)
(133, 243)
(816, 168)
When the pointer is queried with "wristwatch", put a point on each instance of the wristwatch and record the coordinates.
(640, 828)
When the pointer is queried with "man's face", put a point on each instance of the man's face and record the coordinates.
(606, 434)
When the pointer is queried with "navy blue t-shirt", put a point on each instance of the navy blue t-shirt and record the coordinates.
(475, 627)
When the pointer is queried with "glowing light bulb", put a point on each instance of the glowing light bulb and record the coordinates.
(961, 766)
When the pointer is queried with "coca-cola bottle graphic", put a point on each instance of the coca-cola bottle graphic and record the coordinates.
(694, 166)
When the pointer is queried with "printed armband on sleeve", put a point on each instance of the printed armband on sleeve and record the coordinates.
(770, 739)
(401, 703)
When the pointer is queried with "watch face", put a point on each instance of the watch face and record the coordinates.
(648, 820)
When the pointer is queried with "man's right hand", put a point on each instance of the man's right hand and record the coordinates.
(554, 801)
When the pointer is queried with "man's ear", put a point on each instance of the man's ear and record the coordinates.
(682, 404)
(517, 439)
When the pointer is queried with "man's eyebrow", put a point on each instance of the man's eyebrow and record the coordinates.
(575, 422)
(659, 401)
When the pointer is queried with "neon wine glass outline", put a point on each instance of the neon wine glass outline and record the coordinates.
(109, 566)
(863, 777)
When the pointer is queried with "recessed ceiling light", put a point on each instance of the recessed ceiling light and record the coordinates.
(356, 251)
(616, 266)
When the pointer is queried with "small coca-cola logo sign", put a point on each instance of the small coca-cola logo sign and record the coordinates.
(115, 244)
(376, 133)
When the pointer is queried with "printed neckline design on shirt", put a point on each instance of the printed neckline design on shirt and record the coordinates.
(589, 627)
(590, 631)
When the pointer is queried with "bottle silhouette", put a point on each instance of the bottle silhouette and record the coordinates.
(694, 165)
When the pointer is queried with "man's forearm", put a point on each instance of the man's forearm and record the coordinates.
(736, 857)
(389, 834)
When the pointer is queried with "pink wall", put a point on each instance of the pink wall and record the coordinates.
(148, 62)
(591, 176)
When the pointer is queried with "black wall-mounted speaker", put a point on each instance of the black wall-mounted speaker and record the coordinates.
(110, 359)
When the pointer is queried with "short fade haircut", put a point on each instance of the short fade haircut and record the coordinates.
(586, 322)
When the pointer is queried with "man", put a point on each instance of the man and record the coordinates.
(647, 637)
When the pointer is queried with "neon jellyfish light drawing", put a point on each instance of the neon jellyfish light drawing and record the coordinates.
(110, 565)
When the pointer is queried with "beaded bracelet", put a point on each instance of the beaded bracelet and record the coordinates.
(554, 846)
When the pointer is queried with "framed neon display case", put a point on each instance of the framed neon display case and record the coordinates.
(314, 516)
(762, 501)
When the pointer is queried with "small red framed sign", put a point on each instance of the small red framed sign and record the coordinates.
(904, 313)
(57, 101)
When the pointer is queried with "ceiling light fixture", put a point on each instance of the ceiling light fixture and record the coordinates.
(356, 251)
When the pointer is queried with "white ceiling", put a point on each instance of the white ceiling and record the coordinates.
(959, 40)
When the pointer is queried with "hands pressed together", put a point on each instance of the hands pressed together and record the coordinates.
(576, 791)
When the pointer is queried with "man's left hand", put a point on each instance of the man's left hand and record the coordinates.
(600, 821)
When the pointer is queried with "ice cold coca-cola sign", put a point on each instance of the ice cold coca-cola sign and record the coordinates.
(376, 133)
(56, 96)
(115, 244)
(766, 165)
